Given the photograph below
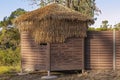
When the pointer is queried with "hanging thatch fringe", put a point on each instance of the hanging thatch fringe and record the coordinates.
(57, 30)
(53, 23)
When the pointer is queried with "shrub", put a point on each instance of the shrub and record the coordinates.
(9, 56)
(9, 69)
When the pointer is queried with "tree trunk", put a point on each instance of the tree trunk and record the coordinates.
(68, 3)
(78, 2)
(55, 1)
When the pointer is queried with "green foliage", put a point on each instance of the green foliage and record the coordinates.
(9, 69)
(100, 29)
(117, 26)
(9, 46)
(9, 57)
(7, 21)
(91, 29)
(105, 24)
(104, 27)
(87, 7)
(9, 40)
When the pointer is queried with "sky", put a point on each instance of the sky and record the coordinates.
(110, 9)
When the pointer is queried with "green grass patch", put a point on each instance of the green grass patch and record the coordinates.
(9, 69)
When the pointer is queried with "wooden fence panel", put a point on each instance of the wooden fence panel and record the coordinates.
(69, 55)
(117, 49)
(99, 50)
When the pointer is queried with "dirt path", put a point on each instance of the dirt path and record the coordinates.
(90, 75)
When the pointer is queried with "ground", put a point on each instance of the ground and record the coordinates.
(88, 75)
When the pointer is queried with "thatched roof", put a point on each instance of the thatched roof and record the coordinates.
(53, 23)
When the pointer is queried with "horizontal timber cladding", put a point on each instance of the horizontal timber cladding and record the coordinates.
(117, 49)
(98, 55)
(67, 56)
(99, 50)
(33, 56)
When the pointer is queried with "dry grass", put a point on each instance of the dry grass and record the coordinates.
(90, 75)
(53, 11)
(53, 23)
(9, 69)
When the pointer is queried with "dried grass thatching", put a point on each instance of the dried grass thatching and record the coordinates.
(53, 23)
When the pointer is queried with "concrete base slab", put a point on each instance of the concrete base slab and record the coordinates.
(22, 74)
(48, 77)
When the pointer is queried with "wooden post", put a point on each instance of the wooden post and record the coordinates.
(48, 59)
(114, 51)
(48, 65)
(21, 52)
(83, 67)
(48, 73)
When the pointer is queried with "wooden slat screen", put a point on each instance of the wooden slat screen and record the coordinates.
(117, 49)
(99, 50)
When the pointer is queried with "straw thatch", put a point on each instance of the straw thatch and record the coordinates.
(53, 23)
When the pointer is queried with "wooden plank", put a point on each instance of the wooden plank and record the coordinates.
(32, 54)
(99, 49)
(48, 57)
(83, 56)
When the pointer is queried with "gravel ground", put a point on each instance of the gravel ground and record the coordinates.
(89, 75)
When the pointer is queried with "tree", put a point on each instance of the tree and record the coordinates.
(9, 36)
(7, 21)
(117, 26)
(105, 24)
(10, 39)
(87, 7)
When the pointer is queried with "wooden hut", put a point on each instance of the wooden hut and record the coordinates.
(52, 38)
